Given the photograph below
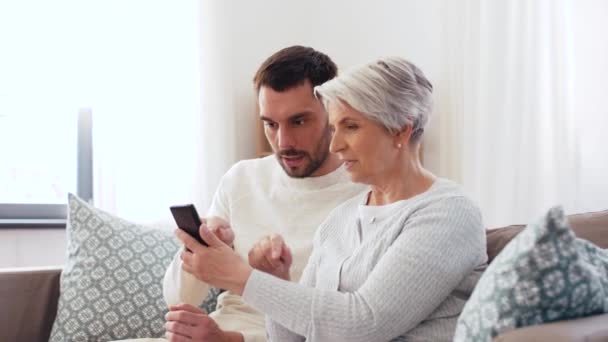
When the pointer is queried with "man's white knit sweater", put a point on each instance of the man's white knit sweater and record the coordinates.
(402, 271)
(258, 198)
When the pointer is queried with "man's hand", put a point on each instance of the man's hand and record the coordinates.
(271, 255)
(189, 323)
(221, 229)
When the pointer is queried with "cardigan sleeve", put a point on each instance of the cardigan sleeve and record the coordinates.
(278, 333)
(438, 246)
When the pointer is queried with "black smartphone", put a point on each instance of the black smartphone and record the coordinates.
(187, 219)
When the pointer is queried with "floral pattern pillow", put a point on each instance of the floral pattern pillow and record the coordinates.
(544, 274)
(111, 285)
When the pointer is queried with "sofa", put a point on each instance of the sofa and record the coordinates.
(29, 297)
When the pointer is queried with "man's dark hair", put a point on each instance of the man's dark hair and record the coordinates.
(292, 66)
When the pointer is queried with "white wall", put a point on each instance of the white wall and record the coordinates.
(27, 247)
(239, 35)
(591, 58)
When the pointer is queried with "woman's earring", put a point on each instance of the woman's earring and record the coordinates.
(398, 145)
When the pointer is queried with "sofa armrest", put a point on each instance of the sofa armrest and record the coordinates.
(588, 329)
(28, 302)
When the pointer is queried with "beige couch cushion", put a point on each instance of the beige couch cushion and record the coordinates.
(28, 302)
(588, 329)
(590, 226)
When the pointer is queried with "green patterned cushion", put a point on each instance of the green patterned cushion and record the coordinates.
(544, 274)
(111, 285)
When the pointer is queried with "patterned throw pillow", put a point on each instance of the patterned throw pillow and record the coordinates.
(544, 274)
(111, 285)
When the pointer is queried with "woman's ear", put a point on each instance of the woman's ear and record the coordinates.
(403, 138)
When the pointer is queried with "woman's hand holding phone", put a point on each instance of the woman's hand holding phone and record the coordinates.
(217, 264)
(188, 220)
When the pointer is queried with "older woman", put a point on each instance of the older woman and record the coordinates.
(399, 261)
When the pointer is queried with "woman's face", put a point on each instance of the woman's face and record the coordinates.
(368, 151)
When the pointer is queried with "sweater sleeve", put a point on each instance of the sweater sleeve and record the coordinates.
(438, 246)
(180, 286)
(277, 332)
(220, 205)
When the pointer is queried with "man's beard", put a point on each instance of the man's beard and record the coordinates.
(311, 162)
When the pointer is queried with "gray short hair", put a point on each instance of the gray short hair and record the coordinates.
(391, 91)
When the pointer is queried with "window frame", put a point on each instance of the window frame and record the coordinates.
(46, 215)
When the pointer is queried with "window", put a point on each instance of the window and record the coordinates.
(136, 64)
(38, 114)
(44, 157)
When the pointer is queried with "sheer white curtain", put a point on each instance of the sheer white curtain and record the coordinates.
(144, 60)
(590, 89)
(509, 128)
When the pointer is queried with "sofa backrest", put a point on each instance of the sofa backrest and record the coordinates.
(28, 298)
(589, 226)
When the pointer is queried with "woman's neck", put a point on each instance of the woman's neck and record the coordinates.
(401, 183)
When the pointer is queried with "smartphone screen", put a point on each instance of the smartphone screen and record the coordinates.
(187, 219)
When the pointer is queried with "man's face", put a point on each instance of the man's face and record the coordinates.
(296, 127)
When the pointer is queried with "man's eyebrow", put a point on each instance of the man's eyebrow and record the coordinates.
(300, 115)
(292, 117)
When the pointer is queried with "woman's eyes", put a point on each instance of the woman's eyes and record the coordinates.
(350, 127)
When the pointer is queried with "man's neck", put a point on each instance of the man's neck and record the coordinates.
(331, 164)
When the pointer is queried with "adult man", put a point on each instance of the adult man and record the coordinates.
(289, 194)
